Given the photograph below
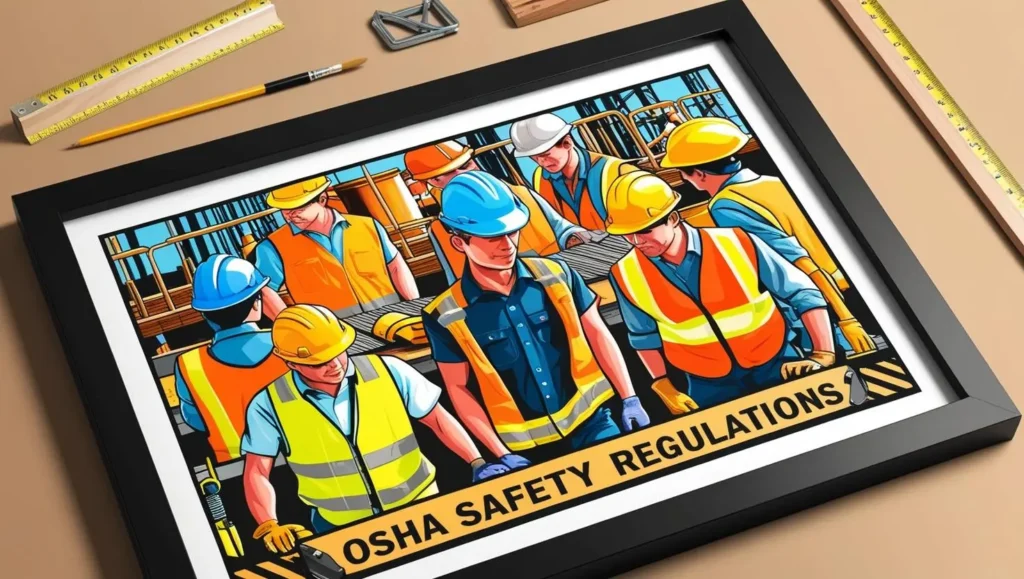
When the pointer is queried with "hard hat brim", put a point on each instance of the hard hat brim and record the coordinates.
(348, 337)
(615, 229)
(296, 202)
(546, 145)
(697, 161)
(448, 167)
(211, 306)
(510, 223)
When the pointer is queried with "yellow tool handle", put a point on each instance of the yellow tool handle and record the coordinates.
(173, 115)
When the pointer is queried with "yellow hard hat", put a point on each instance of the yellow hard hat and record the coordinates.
(702, 140)
(310, 335)
(636, 201)
(297, 194)
(437, 159)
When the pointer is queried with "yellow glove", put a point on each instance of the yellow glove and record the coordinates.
(280, 538)
(675, 401)
(859, 340)
(816, 360)
(394, 325)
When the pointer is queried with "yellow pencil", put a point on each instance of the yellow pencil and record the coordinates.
(217, 102)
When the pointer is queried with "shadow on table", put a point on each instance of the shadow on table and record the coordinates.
(52, 383)
(9, 134)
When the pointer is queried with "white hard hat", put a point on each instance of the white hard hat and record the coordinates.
(537, 135)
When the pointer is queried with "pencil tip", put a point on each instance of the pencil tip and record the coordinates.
(73, 146)
(354, 63)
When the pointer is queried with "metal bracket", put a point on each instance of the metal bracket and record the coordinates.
(320, 564)
(421, 30)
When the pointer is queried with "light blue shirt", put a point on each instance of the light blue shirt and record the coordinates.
(268, 259)
(787, 284)
(265, 437)
(246, 345)
(562, 228)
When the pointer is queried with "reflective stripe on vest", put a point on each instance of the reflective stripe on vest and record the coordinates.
(322, 457)
(357, 283)
(590, 216)
(592, 388)
(222, 392)
(537, 239)
(772, 201)
(746, 317)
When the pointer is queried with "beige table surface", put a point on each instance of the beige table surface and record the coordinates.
(58, 515)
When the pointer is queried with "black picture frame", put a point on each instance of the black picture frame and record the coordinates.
(982, 415)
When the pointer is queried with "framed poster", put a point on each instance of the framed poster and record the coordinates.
(559, 327)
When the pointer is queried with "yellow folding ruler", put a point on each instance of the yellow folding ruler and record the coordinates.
(990, 179)
(124, 78)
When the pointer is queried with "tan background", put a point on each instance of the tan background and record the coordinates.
(961, 519)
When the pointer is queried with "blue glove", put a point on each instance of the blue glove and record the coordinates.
(514, 461)
(633, 413)
(486, 470)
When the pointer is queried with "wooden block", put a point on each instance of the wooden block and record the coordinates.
(524, 12)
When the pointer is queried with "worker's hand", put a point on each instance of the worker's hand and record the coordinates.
(825, 359)
(483, 470)
(280, 538)
(584, 236)
(798, 368)
(633, 414)
(859, 340)
(514, 461)
(675, 401)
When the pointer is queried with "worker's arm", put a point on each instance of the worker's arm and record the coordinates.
(654, 362)
(272, 303)
(403, 279)
(268, 262)
(819, 329)
(259, 493)
(726, 212)
(607, 352)
(852, 329)
(565, 231)
(189, 412)
(451, 433)
(471, 413)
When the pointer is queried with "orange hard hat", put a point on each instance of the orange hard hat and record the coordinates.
(437, 159)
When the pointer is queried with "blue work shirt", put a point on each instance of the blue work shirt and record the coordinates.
(787, 284)
(268, 259)
(245, 345)
(583, 172)
(265, 437)
(729, 213)
(522, 336)
(560, 226)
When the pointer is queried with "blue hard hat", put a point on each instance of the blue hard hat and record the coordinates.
(223, 281)
(478, 203)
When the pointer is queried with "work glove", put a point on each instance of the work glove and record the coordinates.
(675, 401)
(396, 326)
(514, 461)
(483, 470)
(582, 236)
(633, 414)
(280, 538)
(816, 360)
(859, 340)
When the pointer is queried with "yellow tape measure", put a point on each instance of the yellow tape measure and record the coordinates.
(120, 66)
(954, 114)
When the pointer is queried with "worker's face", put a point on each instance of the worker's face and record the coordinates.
(331, 372)
(654, 241)
(442, 180)
(490, 252)
(303, 217)
(555, 159)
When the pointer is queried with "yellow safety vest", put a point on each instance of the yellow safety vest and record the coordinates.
(769, 198)
(592, 387)
(332, 473)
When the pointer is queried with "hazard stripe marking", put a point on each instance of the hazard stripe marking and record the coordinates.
(281, 571)
(878, 389)
(246, 574)
(886, 378)
(892, 367)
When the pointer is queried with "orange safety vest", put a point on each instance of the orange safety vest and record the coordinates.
(769, 198)
(732, 307)
(603, 170)
(314, 276)
(536, 239)
(222, 393)
(592, 387)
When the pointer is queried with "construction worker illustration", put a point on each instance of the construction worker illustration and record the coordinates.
(546, 233)
(672, 119)
(344, 262)
(215, 382)
(525, 356)
(692, 300)
(573, 180)
(344, 425)
(703, 149)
